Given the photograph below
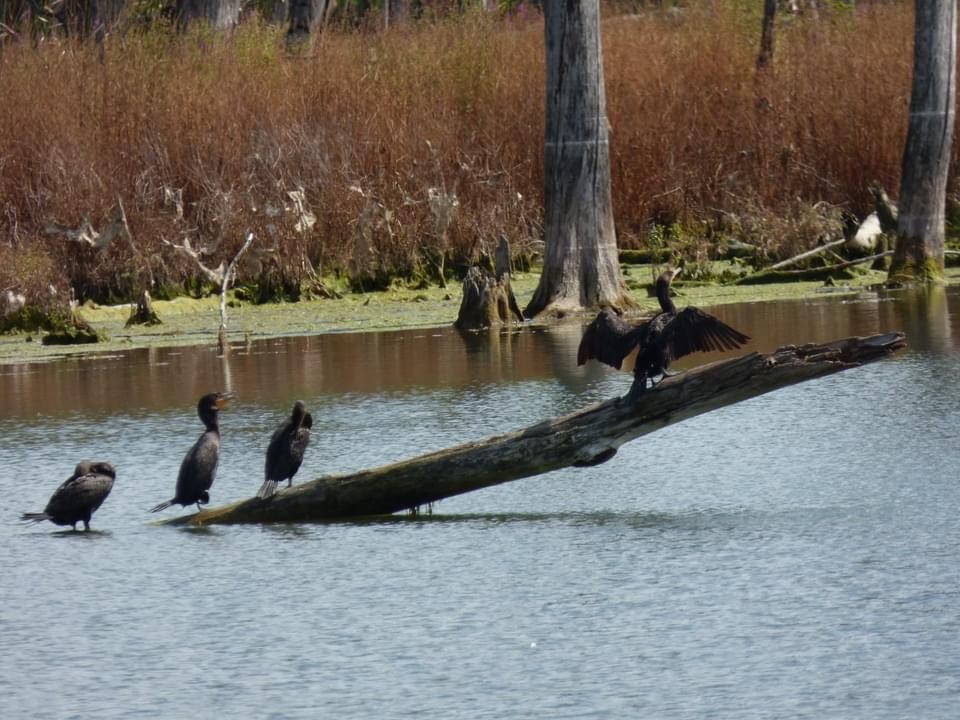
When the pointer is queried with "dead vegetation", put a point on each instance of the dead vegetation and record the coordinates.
(410, 153)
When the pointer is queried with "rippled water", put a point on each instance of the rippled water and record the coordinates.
(796, 555)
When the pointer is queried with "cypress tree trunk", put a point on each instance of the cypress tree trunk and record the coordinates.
(926, 156)
(581, 268)
(766, 34)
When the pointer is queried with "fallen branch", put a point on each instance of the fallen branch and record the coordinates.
(807, 254)
(587, 437)
(820, 273)
(215, 275)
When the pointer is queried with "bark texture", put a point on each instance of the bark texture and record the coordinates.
(580, 268)
(304, 18)
(926, 156)
(766, 34)
(488, 300)
(221, 14)
(584, 438)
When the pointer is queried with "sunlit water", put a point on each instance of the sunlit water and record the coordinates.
(796, 555)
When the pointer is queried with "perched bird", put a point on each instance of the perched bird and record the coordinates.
(79, 496)
(668, 335)
(199, 467)
(285, 452)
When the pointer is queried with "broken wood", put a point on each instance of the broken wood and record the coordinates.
(488, 300)
(886, 209)
(587, 437)
(820, 273)
(228, 276)
(808, 254)
(143, 313)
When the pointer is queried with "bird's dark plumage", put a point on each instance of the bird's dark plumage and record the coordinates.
(79, 496)
(668, 335)
(285, 452)
(199, 466)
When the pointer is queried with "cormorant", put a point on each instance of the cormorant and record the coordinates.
(79, 496)
(668, 335)
(285, 452)
(199, 467)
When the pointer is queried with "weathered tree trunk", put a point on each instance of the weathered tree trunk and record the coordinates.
(304, 18)
(143, 313)
(587, 437)
(488, 300)
(766, 34)
(580, 268)
(926, 157)
(221, 14)
(887, 211)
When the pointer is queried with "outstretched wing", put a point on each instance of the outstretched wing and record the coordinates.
(609, 339)
(693, 330)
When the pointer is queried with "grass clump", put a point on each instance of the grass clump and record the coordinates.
(407, 154)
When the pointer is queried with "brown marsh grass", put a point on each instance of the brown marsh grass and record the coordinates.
(423, 143)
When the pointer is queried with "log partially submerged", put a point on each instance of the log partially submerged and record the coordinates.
(587, 437)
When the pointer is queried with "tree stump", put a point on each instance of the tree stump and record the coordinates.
(487, 301)
(143, 313)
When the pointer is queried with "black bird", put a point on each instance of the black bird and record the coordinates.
(199, 467)
(285, 452)
(668, 335)
(79, 496)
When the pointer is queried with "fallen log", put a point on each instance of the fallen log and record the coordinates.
(587, 437)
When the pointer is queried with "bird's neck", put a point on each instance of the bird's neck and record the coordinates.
(663, 295)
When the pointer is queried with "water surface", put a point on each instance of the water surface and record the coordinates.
(796, 555)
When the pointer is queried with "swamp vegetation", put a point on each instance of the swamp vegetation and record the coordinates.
(378, 160)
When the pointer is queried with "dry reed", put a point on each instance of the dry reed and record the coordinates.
(423, 143)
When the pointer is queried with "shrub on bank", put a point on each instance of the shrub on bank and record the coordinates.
(409, 153)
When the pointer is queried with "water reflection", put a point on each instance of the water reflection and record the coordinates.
(275, 371)
(800, 552)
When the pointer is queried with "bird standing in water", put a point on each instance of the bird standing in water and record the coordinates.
(199, 467)
(668, 335)
(285, 452)
(78, 496)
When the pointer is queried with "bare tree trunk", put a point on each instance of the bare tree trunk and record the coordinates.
(581, 269)
(304, 18)
(587, 437)
(221, 14)
(926, 157)
(766, 34)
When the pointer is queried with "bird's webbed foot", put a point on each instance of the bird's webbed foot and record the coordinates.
(636, 390)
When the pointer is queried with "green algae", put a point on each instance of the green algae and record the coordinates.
(191, 321)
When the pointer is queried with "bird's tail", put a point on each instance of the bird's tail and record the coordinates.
(163, 505)
(266, 490)
(34, 517)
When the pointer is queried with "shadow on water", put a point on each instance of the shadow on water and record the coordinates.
(90, 534)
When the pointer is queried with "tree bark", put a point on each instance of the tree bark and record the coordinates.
(926, 156)
(304, 17)
(221, 14)
(488, 301)
(766, 34)
(580, 267)
(587, 437)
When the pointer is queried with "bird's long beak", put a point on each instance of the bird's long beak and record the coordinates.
(677, 271)
(223, 400)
